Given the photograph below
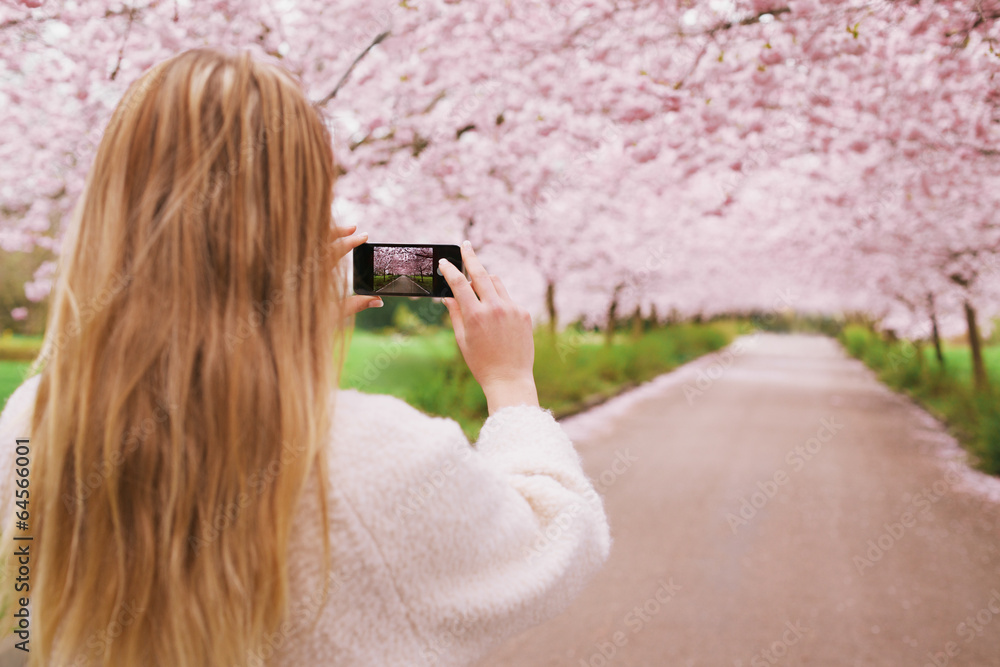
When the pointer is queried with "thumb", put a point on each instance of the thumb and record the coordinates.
(355, 303)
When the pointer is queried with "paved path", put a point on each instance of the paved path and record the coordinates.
(858, 542)
(403, 285)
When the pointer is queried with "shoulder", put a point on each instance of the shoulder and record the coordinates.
(381, 446)
(382, 420)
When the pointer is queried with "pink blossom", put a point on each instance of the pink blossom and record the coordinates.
(590, 138)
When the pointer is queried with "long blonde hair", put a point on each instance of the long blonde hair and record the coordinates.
(186, 375)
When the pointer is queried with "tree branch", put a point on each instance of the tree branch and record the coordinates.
(749, 20)
(121, 49)
(343, 79)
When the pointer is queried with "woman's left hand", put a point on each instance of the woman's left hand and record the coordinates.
(345, 242)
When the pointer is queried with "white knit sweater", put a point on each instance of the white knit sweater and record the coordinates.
(441, 550)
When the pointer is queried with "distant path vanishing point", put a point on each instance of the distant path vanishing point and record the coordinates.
(773, 504)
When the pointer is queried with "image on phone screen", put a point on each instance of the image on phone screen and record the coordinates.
(403, 269)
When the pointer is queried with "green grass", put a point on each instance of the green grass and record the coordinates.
(427, 282)
(947, 392)
(14, 347)
(16, 352)
(577, 368)
(572, 371)
(11, 377)
(958, 362)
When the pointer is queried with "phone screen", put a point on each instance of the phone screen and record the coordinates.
(403, 269)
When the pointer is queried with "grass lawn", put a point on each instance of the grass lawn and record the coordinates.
(427, 282)
(958, 362)
(427, 371)
(383, 280)
(16, 353)
(11, 377)
(15, 347)
(947, 392)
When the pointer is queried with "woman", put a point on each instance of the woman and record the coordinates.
(200, 493)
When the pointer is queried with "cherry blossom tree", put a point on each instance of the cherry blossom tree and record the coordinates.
(606, 157)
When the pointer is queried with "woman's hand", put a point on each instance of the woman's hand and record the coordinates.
(493, 333)
(345, 242)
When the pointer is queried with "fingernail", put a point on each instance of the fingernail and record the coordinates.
(377, 303)
(467, 245)
(444, 260)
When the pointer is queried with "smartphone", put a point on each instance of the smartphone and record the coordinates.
(403, 269)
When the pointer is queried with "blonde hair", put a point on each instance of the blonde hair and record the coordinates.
(186, 374)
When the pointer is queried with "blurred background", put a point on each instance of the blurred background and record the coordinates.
(654, 181)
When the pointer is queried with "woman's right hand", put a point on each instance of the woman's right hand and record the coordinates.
(493, 333)
(345, 240)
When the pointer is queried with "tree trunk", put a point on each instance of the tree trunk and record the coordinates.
(637, 323)
(609, 329)
(936, 336)
(976, 345)
(550, 306)
(653, 318)
(935, 332)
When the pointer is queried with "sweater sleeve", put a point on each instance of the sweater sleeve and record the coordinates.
(484, 542)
